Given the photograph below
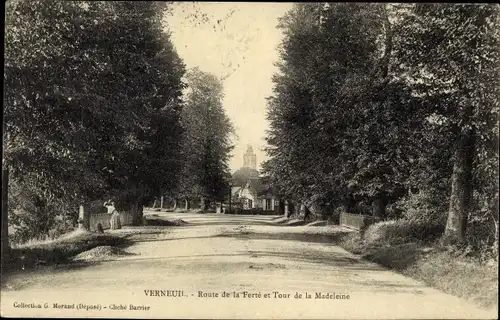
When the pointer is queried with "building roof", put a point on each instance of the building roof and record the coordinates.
(240, 177)
(235, 190)
(259, 187)
(255, 184)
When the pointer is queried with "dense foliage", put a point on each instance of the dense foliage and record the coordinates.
(242, 175)
(92, 108)
(390, 110)
(207, 141)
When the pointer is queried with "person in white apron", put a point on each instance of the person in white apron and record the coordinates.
(115, 222)
(110, 205)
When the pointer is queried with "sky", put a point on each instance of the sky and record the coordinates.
(238, 42)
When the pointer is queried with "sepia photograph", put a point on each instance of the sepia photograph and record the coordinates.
(239, 160)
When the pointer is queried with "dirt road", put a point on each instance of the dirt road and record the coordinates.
(220, 266)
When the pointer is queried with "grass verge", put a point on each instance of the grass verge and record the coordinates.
(58, 251)
(438, 267)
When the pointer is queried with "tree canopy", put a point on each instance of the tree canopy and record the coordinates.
(207, 141)
(376, 105)
(93, 99)
(242, 175)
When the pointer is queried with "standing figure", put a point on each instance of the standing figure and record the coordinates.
(110, 205)
(115, 222)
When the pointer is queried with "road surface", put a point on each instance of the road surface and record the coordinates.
(225, 266)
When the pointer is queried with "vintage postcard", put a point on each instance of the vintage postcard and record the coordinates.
(265, 160)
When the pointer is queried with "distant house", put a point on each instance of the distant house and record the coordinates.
(256, 194)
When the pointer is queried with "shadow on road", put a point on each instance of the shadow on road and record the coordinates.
(336, 260)
(217, 219)
(396, 257)
(234, 223)
(332, 238)
(307, 261)
(174, 239)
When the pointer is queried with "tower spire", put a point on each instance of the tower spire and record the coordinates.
(249, 158)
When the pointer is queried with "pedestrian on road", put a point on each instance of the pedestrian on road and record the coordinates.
(115, 222)
(110, 205)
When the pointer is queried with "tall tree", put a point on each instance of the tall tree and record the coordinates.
(74, 103)
(152, 90)
(453, 52)
(207, 140)
(334, 90)
(60, 129)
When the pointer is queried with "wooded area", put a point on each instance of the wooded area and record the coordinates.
(94, 108)
(390, 110)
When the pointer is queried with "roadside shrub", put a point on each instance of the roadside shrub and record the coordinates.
(353, 242)
(334, 218)
(34, 216)
(96, 207)
(402, 231)
(62, 227)
(424, 206)
(58, 251)
(482, 227)
(394, 211)
(362, 207)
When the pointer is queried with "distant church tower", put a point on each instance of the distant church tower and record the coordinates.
(250, 159)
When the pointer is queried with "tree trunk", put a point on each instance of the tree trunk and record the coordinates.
(388, 45)
(84, 217)
(176, 203)
(203, 204)
(495, 223)
(281, 207)
(292, 209)
(186, 204)
(303, 211)
(308, 215)
(161, 202)
(461, 190)
(140, 214)
(154, 204)
(5, 216)
(136, 213)
(286, 209)
(378, 208)
(495, 244)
